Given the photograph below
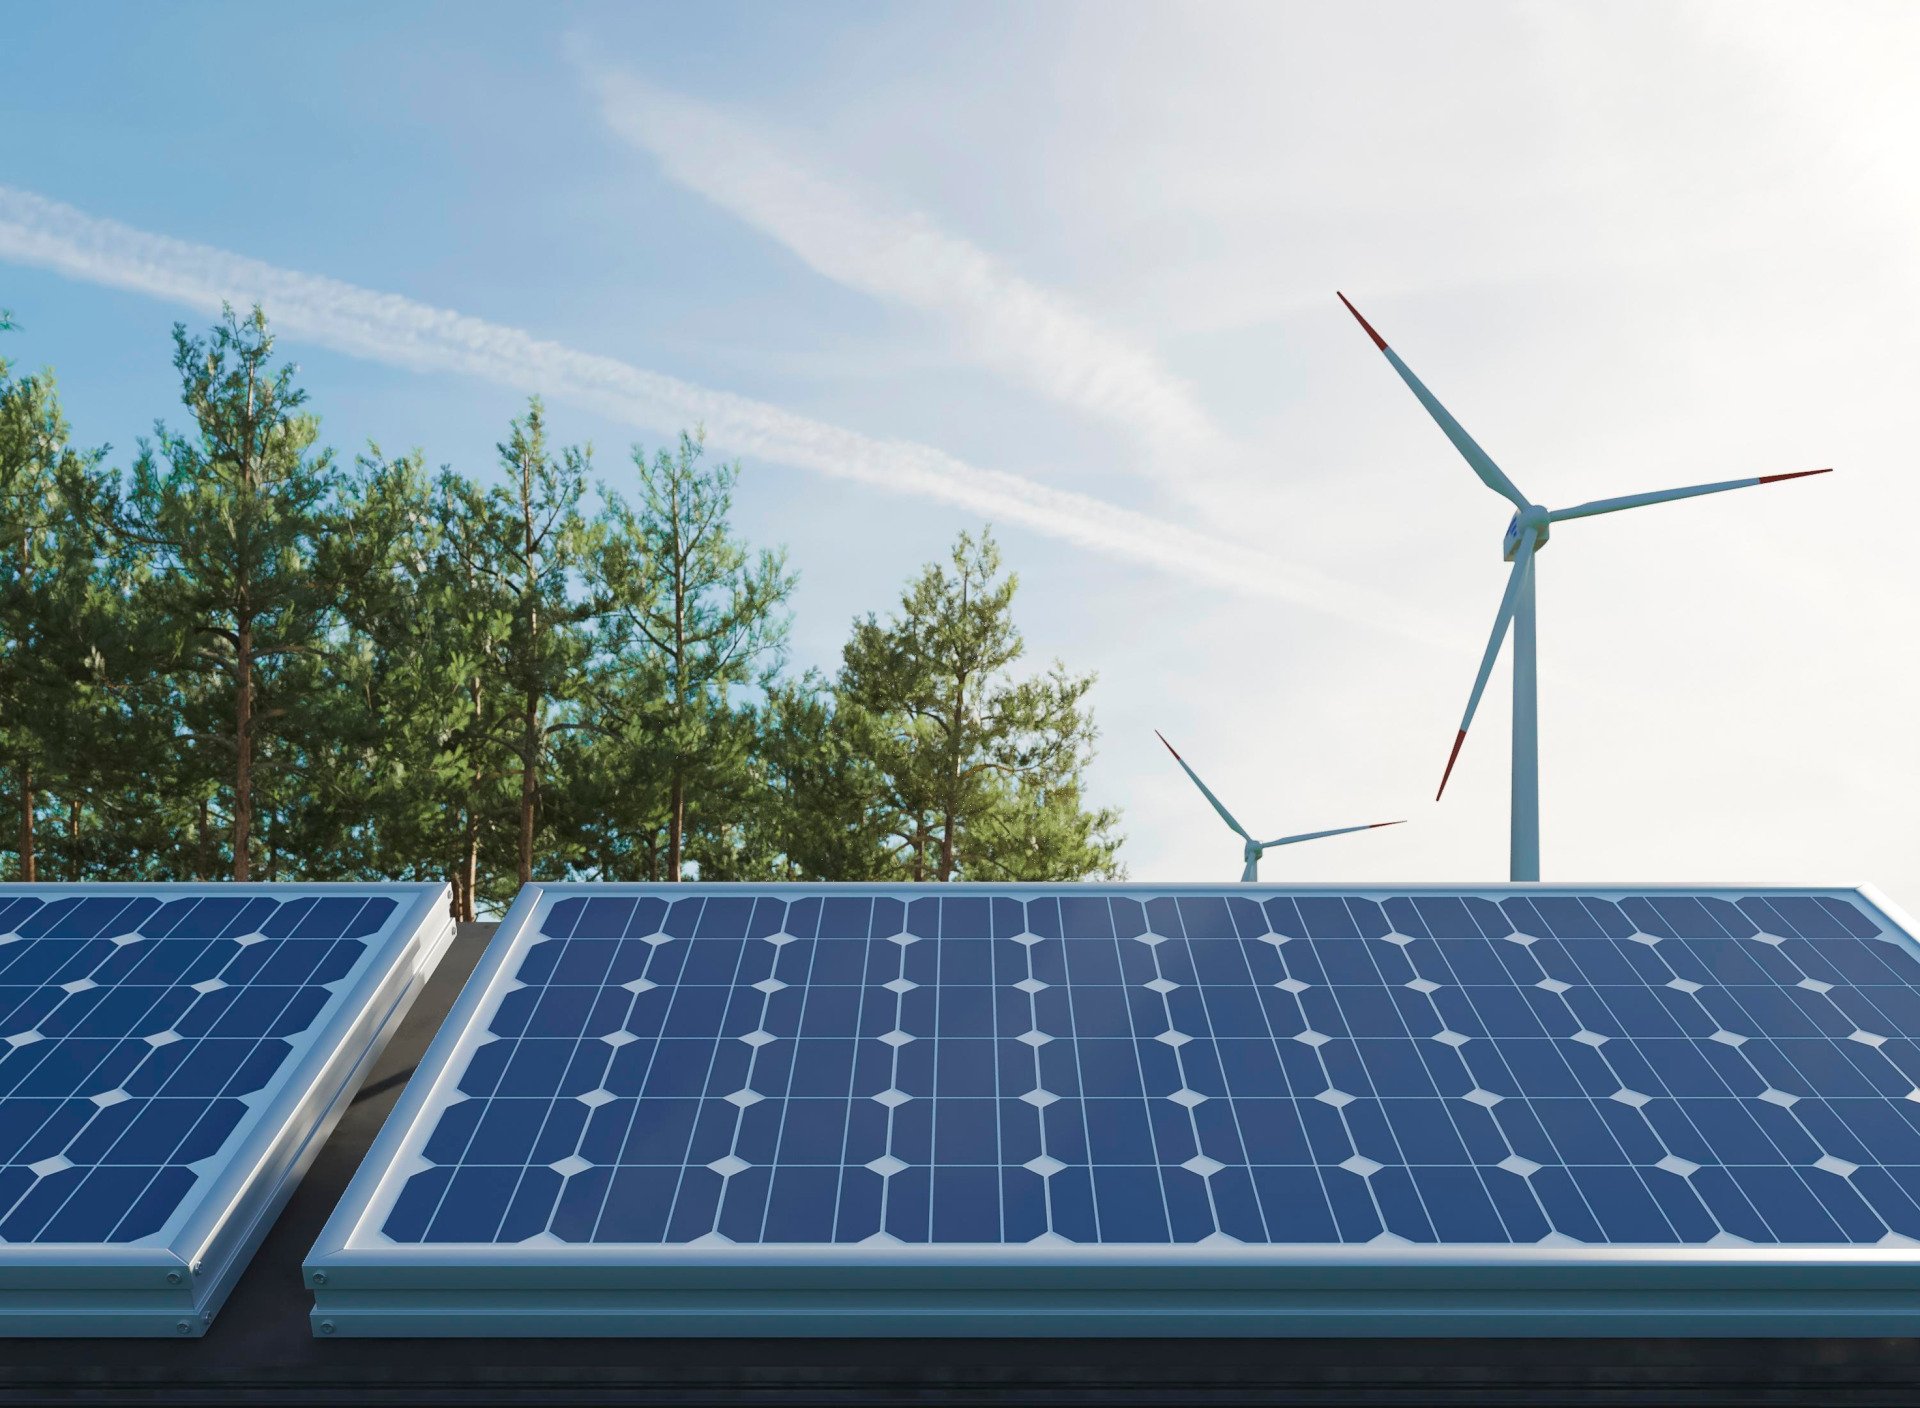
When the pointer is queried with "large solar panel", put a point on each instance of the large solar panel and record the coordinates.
(171, 1057)
(1139, 1109)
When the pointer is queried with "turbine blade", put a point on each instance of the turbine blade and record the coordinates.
(1337, 831)
(1522, 564)
(1662, 496)
(1225, 815)
(1490, 473)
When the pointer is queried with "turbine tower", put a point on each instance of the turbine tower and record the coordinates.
(1526, 535)
(1252, 850)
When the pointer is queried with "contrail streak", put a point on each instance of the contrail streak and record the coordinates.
(397, 331)
(1028, 332)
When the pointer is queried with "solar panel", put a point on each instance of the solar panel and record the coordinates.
(171, 1058)
(791, 1109)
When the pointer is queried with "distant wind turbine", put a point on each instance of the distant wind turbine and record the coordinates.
(1526, 535)
(1252, 850)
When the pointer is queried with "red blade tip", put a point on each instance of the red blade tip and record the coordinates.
(1402, 822)
(1797, 474)
(1451, 757)
(1378, 341)
(1170, 748)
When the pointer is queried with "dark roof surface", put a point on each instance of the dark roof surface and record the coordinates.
(260, 1350)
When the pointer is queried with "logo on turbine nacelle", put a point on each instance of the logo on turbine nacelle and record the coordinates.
(1510, 548)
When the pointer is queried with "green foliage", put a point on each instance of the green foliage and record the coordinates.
(532, 542)
(823, 807)
(63, 618)
(982, 770)
(690, 619)
(243, 659)
(386, 700)
(234, 514)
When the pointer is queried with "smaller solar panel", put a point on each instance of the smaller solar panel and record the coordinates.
(171, 1057)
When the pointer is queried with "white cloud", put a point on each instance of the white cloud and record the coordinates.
(388, 328)
(1029, 333)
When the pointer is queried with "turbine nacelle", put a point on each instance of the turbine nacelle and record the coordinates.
(1534, 518)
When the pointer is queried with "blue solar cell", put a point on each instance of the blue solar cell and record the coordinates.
(132, 1028)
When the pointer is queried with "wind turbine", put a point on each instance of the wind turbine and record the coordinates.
(1252, 851)
(1526, 535)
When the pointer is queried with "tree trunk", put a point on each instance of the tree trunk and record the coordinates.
(243, 665)
(676, 824)
(29, 871)
(203, 844)
(73, 840)
(470, 863)
(530, 743)
(953, 776)
(957, 743)
(529, 785)
(677, 807)
(243, 754)
(470, 839)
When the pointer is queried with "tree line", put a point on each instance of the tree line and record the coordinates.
(239, 655)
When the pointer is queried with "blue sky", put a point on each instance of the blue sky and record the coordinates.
(1070, 269)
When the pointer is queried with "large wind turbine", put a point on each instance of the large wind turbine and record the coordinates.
(1526, 535)
(1252, 850)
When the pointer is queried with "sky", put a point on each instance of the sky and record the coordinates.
(1069, 270)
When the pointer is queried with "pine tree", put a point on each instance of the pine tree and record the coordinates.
(511, 636)
(473, 624)
(548, 545)
(388, 709)
(611, 817)
(822, 807)
(691, 619)
(234, 513)
(983, 771)
(58, 622)
(105, 735)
